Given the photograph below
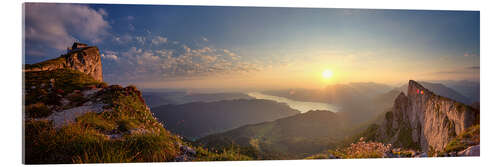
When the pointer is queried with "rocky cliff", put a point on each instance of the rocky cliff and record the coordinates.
(426, 121)
(71, 116)
(80, 57)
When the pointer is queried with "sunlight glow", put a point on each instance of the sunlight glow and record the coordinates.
(327, 74)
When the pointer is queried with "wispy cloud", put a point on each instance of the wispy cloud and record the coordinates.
(169, 64)
(159, 40)
(470, 55)
(458, 71)
(473, 67)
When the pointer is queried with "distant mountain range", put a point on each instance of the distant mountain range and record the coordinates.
(198, 119)
(443, 90)
(154, 99)
(469, 89)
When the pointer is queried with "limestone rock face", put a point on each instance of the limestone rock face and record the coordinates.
(80, 57)
(424, 120)
(86, 60)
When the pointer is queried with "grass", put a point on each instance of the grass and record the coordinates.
(95, 120)
(37, 110)
(39, 88)
(231, 154)
(74, 144)
(56, 61)
(469, 137)
(86, 140)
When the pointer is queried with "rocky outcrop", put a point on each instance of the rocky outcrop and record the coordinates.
(80, 57)
(426, 121)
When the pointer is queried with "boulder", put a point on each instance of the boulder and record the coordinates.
(470, 151)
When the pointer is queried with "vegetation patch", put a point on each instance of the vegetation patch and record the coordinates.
(468, 138)
(363, 149)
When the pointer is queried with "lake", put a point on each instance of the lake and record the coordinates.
(302, 106)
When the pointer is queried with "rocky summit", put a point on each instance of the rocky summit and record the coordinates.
(79, 57)
(426, 121)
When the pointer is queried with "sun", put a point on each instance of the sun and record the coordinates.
(327, 74)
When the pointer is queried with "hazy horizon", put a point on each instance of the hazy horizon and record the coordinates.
(257, 48)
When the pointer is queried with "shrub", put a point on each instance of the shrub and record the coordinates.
(230, 154)
(37, 110)
(363, 149)
(126, 125)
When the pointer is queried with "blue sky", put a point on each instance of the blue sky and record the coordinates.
(183, 46)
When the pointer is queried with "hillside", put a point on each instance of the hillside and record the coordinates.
(198, 119)
(73, 117)
(287, 138)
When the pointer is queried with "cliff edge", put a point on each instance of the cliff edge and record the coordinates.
(425, 121)
(79, 57)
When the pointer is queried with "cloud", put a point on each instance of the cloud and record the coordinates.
(204, 39)
(131, 27)
(473, 68)
(159, 40)
(170, 64)
(470, 55)
(122, 39)
(141, 40)
(59, 25)
(459, 71)
(111, 55)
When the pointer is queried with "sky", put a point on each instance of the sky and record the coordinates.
(207, 47)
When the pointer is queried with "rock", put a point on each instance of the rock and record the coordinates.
(187, 153)
(413, 153)
(114, 136)
(64, 101)
(453, 154)
(52, 82)
(426, 119)
(188, 150)
(470, 151)
(331, 156)
(421, 155)
(139, 131)
(86, 60)
(90, 92)
(83, 58)
(68, 116)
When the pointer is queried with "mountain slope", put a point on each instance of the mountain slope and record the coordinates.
(287, 138)
(200, 118)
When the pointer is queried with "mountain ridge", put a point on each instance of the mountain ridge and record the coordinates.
(423, 120)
